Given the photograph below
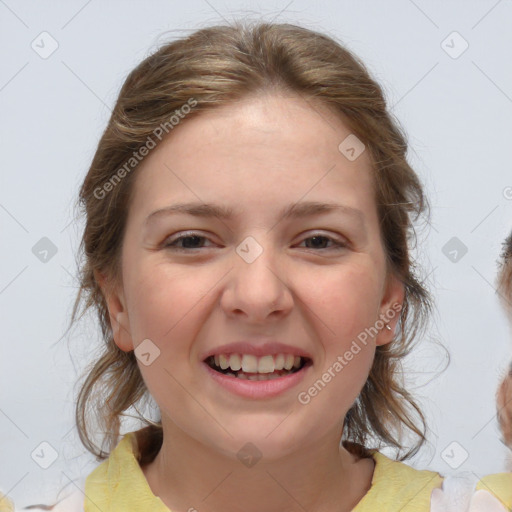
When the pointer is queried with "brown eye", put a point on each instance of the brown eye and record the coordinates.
(189, 241)
(320, 239)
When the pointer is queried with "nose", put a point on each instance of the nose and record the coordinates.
(258, 286)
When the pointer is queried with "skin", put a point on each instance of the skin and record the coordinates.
(256, 155)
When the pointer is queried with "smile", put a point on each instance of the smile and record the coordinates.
(250, 367)
(254, 377)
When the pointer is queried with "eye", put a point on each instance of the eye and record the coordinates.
(337, 244)
(193, 240)
(190, 240)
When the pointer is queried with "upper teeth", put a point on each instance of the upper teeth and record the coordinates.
(253, 364)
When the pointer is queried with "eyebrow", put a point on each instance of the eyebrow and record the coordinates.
(296, 210)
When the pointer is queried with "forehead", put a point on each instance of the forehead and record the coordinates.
(259, 151)
(275, 124)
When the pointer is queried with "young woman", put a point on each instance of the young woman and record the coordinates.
(249, 211)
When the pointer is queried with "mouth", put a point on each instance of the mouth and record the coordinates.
(250, 367)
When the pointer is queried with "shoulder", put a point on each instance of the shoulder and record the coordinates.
(122, 459)
(398, 486)
(402, 474)
(118, 478)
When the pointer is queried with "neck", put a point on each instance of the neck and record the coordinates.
(323, 476)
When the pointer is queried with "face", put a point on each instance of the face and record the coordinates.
(310, 285)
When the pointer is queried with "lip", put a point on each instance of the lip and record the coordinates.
(257, 348)
(257, 389)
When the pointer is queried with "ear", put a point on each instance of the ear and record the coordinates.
(390, 308)
(116, 304)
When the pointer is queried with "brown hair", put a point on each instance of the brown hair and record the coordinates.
(505, 274)
(215, 66)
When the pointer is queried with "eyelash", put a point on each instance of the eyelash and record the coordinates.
(171, 245)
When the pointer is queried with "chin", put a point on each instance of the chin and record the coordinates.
(255, 444)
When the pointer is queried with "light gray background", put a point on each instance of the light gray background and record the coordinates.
(456, 112)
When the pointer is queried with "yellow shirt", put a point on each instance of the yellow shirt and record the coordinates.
(499, 484)
(119, 485)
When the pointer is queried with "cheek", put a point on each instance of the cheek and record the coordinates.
(164, 307)
(345, 305)
(169, 305)
(162, 299)
(347, 301)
